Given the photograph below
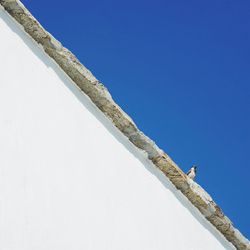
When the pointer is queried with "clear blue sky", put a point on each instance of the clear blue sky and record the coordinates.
(181, 70)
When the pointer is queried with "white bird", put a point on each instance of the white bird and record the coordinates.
(192, 172)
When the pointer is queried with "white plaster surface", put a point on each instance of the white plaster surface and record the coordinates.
(68, 178)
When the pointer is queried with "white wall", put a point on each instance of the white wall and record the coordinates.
(68, 178)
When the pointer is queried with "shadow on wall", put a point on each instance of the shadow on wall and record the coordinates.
(85, 101)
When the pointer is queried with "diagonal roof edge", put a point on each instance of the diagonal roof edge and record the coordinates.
(103, 100)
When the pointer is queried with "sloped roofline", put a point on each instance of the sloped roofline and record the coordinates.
(103, 100)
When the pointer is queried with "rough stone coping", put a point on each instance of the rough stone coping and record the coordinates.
(103, 100)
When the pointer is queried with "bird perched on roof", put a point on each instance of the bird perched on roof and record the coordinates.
(192, 172)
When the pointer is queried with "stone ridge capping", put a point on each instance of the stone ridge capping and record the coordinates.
(103, 100)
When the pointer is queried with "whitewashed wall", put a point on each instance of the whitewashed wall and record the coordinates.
(68, 178)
